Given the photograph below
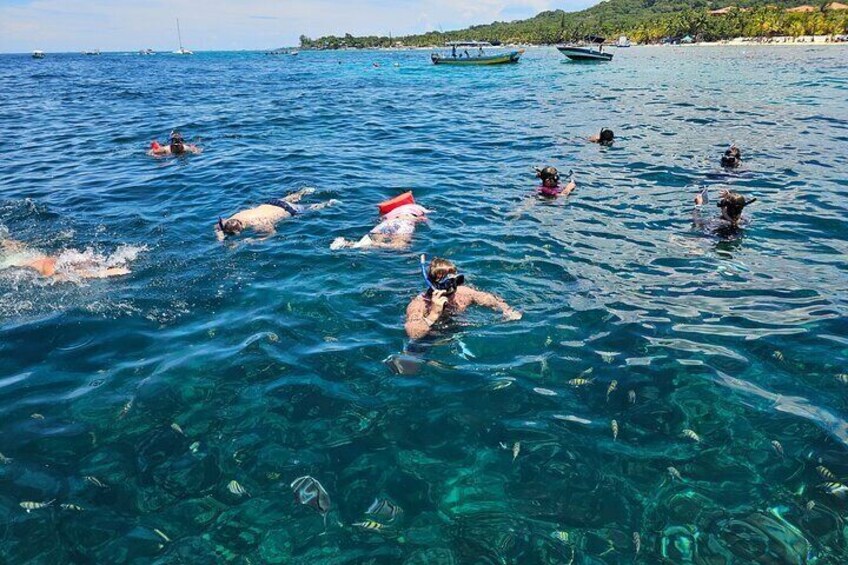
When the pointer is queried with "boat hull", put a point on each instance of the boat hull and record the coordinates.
(584, 54)
(503, 59)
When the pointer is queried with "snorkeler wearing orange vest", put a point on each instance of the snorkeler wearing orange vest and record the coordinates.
(176, 146)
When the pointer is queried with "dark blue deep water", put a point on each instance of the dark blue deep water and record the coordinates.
(270, 356)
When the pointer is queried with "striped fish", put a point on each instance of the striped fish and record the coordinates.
(675, 474)
(370, 525)
(825, 473)
(516, 449)
(95, 481)
(580, 382)
(384, 509)
(637, 542)
(689, 434)
(176, 427)
(614, 426)
(836, 489)
(4, 460)
(235, 488)
(30, 506)
(777, 447)
(73, 507)
(611, 388)
(631, 396)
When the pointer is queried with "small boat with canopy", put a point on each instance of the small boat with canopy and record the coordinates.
(461, 56)
(584, 52)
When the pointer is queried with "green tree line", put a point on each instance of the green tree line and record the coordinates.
(640, 20)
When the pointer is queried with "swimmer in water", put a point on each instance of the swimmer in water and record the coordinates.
(605, 138)
(731, 204)
(65, 266)
(445, 296)
(176, 146)
(550, 183)
(732, 158)
(264, 217)
(393, 232)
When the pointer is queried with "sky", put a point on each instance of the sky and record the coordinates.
(130, 25)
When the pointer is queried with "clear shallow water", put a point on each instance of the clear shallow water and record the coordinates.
(270, 356)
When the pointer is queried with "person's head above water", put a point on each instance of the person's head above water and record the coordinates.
(442, 275)
(549, 176)
(177, 143)
(606, 137)
(231, 226)
(732, 157)
(732, 204)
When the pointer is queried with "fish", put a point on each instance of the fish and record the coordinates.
(464, 352)
(614, 426)
(73, 507)
(272, 475)
(675, 474)
(5, 460)
(125, 410)
(235, 488)
(572, 418)
(637, 542)
(611, 388)
(176, 427)
(631, 396)
(810, 505)
(194, 447)
(95, 481)
(162, 535)
(778, 355)
(544, 391)
(842, 378)
(836, 489)
(501, 383)
(30, 506)
(516, 449)
(825, 473)
(384, 509)
(580, 381)
(777, 447)
(560, 535)
(36, 416)
(370, 525)
(309, 491)
(687, 433)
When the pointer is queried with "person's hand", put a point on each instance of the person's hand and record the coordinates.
(699, 199)
(512, 315)
(437, 305)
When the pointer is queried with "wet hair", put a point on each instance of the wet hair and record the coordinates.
(733, 204)
(606, 136)
(732, 157)
(177, 143)
(231, 226)
(439, 269)
(548, 173)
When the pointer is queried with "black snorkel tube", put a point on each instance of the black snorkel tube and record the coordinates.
(221, 226)
(448, 284)
(424, 272)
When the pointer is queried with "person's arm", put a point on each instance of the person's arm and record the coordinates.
(418, 320)
(219, 233)
(566, 190)
(489, 300)
(194, 149)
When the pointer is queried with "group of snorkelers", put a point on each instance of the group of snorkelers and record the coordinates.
(446, 293)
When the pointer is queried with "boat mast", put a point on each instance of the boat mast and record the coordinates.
(179, 35)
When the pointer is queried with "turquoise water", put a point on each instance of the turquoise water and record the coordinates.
(271, 356)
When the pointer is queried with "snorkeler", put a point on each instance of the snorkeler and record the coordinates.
(732, 158)
(550, 183)
(67, 265)
(397, 224)
(447, 295)
(264, 217)
(731, 204)
(176, 146)
(605, 138)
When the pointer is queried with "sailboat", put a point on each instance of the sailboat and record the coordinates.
(181, 51)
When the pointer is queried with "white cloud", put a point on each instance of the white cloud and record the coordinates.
(71, 25)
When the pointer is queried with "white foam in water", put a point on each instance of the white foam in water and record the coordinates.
(72, 261)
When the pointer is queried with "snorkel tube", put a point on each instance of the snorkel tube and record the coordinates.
(221, 226)
(424, 272)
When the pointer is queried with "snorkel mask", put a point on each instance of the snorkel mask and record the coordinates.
(177, 143)
(548, 174)
(447, 284)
